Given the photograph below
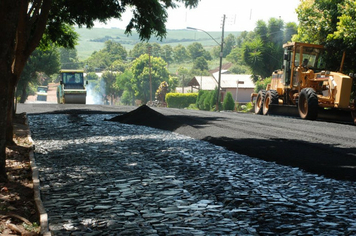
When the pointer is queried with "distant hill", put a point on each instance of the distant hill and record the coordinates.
(93, 39)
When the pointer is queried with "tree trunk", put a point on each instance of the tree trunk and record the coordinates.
(24, 94)
(10, 113)
(3, 119)
(8, 17)
(20, 35)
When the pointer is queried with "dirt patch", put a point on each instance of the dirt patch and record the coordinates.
(18, 214)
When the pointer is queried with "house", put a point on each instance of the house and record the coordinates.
(240, 86)
(203, 83)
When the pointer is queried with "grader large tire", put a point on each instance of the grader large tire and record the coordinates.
(308, 104)
(271, 98)
(259, 101)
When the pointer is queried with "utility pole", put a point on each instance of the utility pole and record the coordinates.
(221, 57)
(183, 84)
(149, 62)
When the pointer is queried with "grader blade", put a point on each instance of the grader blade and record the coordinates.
(332, 115)
(285, 110)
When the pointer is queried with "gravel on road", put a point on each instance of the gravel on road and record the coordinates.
(105, 178)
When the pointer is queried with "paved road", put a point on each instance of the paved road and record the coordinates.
(318, 147)
(105, 178)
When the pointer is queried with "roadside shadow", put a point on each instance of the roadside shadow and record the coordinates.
(321, 159)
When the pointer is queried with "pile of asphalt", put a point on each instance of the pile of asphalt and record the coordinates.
(146, 116)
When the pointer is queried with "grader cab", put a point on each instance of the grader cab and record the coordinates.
(304, 82)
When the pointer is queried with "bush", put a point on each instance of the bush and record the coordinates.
(262, 84)
(248, 107)
(192, 107)
(180, 100)
(228, 103)
(206, 100)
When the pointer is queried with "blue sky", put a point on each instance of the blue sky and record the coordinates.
(240, 15)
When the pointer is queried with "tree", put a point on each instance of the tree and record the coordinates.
(253, 56)
(229, 43)
(290, 30)
(167, 53)
(40, 62)
(103, 59)
(92, 76)
(139, 49)
(262, 50)
(183, 74)
(114, 50)
(111, 88)
(69, 58)
(200, 64)
(229, 103)
(123, 81)
(196, 50)
(180, 53)
(119, 65)
(24, 23)
(330, 23)
(155, 50)
(141, 76)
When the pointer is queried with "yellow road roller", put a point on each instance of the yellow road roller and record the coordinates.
(72, 87)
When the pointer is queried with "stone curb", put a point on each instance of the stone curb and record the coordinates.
(36, 188)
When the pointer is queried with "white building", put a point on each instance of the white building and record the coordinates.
(240, 86)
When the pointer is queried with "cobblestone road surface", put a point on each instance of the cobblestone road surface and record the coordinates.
(104, 178)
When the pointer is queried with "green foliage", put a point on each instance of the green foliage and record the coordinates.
(229, 44)
(172, 83)
(240, 69)
(180, 100)
(200, 99)
(127, 98)
(228, 103)
(261, 50)
(248, 107)
(196, 50)
(40, 66)
(206, 100)
(104, 58)
(92, 76)
(200, 64)
(192, 106)
(141, 76)
(330, 23)
(167, 53)
(183, 75)
(180, 54)
(119, 65)
(213, 97)
(123, 82)
(261, 84)
(111, 88)
(69, 59)
(139, 49)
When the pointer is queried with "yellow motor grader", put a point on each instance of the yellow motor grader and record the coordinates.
(305, 83)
